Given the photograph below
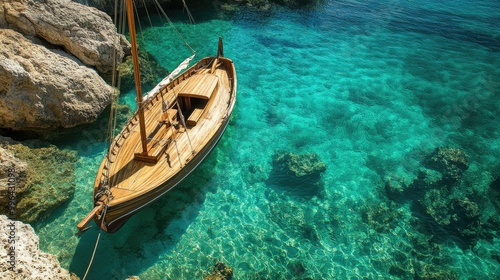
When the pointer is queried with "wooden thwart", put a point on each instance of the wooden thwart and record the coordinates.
(194, 117)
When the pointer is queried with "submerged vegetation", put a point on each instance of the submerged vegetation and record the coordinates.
(50, 179)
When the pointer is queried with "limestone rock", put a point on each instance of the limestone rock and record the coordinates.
(20, 255)
(3, 23)
(46, 89)
(13, 175)
(85, 32)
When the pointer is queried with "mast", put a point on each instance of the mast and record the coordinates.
(137, 79)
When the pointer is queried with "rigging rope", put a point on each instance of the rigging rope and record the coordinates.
(191, 19)
(173, 26)
(184, 124)
(119, 22)
(147, 13)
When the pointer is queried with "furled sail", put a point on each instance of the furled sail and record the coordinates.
(170, 77)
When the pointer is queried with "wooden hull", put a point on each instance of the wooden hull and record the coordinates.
(127, 180)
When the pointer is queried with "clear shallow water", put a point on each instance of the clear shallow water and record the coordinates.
(372, 88)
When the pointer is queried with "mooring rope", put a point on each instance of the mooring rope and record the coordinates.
(97, 241)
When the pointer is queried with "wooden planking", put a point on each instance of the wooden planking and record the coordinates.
(194, 117)
(134, 183)
(140, 177)
(199, 86)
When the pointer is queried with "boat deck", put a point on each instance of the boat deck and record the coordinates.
(173, 144)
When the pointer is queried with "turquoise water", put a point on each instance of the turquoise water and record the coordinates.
(372, 87)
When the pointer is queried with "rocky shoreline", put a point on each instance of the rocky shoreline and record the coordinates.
(20, 255)
(54, 56)
(53, 52)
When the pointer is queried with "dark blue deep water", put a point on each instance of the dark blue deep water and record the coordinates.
(372, 88)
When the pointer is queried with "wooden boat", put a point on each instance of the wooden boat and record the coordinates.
(167, 138)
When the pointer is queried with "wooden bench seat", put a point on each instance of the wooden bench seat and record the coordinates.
(194, 117)
(169, 114)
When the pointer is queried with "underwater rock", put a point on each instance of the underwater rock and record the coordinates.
(395, 188)
(46, 89)
(443, 168)
(23, 259)
(85, 32)
(150, 69)
(298, 269)
(297, 174)
(451, 162)
(221, 272)
(399, 191)
(443, 200)
(495, 185)
(465, 219)
(13, 176)
(298, 165)
(427, 179)
(49, 179)
(382, 217)
(436, 204)
(263, 5)
(459, 216)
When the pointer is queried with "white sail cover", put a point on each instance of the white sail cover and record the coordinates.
(170, 77)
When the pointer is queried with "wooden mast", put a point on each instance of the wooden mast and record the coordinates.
(137, 78)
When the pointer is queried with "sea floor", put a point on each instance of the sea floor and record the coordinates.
(372, 88)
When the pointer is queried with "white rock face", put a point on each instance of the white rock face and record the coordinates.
(83, 31)
(46, 89)
(20, 255)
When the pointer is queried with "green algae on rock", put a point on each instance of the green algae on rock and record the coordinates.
(444, 197)
(50, 178)
(150, 69)
(221, 272)
(452, 162)
(299, 165)
(297, 174)
(12, 181)
(382, 217)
